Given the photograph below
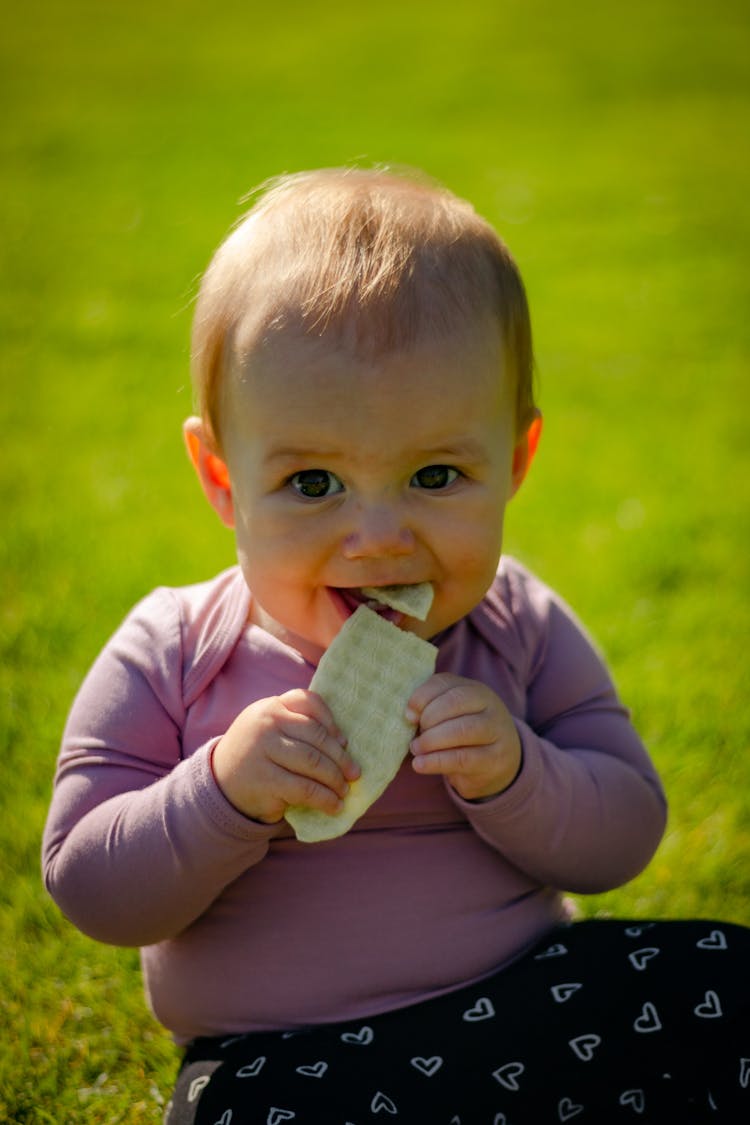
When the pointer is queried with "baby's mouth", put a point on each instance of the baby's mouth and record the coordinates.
(351, 598)
(392, 602)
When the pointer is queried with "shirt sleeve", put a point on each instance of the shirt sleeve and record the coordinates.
(587, 810)
(138, 841)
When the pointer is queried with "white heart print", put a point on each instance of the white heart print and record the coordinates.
(482, 1010)
(715, 940)
(585, 1045)
(563, 992)
(640, 958)
(636, 1099)
(363, 1037)
(710, 1008)
(509, 1074)
(381, 1103)
(196, 1086)
(648, 1020)
(553, 951)
(276, 1116)
(313, 1070)
(250, 1070)
(566, 1109)
(427, 1067)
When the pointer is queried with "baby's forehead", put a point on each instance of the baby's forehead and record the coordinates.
(284, 366)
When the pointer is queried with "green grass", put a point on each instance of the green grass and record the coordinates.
(609, 146)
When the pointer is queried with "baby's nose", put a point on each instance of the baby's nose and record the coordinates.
(378, 531)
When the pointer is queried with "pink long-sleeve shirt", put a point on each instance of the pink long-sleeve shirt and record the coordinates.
(242, 927)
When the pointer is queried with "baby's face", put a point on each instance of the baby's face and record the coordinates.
(348, 473)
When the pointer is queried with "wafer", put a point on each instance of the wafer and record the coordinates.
(414, 600)
(367, 676)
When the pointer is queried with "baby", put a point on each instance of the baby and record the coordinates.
(363, 367)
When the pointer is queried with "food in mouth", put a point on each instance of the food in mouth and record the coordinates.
(413, 600)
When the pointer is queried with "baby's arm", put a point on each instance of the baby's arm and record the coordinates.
(139, 841)
(577, 803)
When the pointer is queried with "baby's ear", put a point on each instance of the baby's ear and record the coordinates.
(212, 471)
(523, 452)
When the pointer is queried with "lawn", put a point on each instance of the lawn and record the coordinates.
(608, 145)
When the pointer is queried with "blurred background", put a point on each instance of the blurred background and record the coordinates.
(608, 145)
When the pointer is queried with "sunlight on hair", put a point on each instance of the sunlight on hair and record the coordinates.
(372, 260)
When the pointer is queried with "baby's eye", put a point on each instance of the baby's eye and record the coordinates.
(314, 484)
(434, 477)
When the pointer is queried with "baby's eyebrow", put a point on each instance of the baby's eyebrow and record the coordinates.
(462, 449)
(297, 453)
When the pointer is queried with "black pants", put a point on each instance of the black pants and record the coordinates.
(603, 1022)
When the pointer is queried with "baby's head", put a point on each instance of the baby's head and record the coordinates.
(367, 260)
(362, 356)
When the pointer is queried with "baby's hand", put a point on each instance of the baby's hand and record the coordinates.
(466, 733)
(281, 751)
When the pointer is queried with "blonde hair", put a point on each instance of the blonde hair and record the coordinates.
(371, 258)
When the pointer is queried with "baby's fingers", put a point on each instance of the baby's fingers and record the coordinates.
(310, 705)
(311, 722)
(457, 760)
(310, 767)
(452, 704)
(429, 693)
(318, 753)
(454, 720)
